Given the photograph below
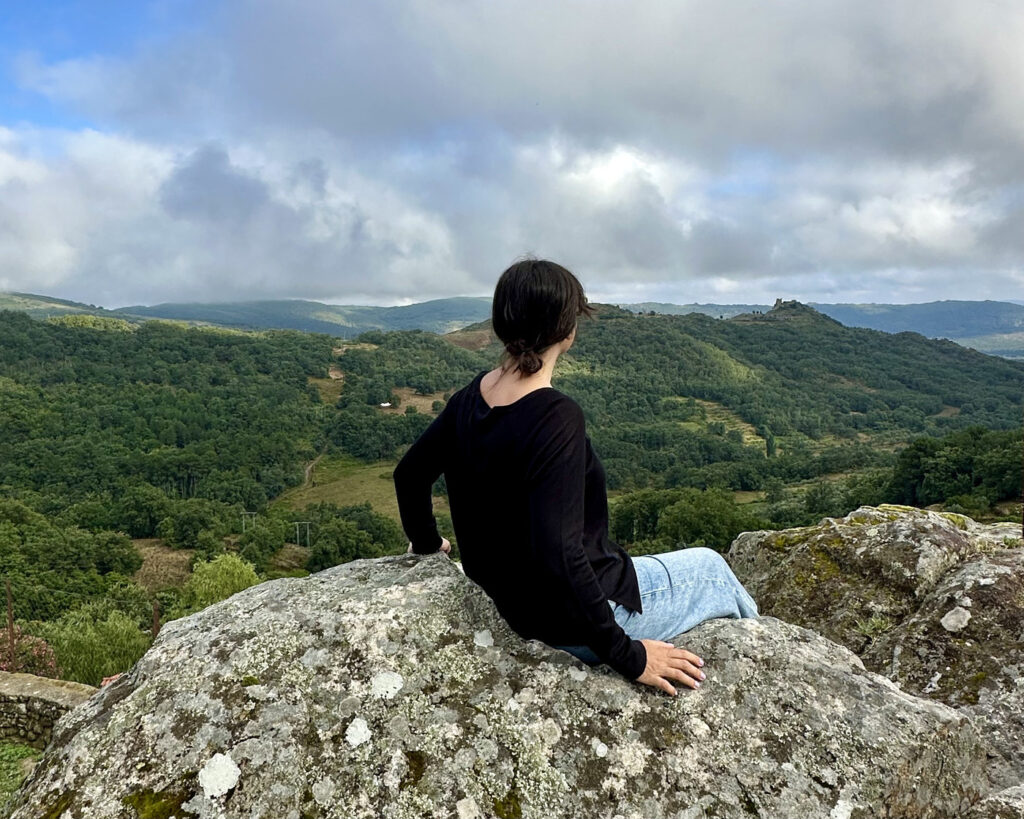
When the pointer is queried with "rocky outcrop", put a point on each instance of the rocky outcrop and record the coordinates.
(1007, 804)
(30, 705)
(933, 600)
(392, 688)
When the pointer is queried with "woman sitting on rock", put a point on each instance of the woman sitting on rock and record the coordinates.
(530, 509)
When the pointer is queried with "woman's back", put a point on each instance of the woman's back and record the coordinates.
(528, 503)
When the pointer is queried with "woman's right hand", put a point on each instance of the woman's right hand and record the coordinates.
(665, 662)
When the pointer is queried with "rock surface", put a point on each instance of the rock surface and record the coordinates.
(934, 601)
(392, 688)
(1007, 804)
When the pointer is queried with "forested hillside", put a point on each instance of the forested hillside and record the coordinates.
(438, 316)
(816, 396)
(235, 448)
(993, 327)
(343, 321)
(92, 406)
(935, 319)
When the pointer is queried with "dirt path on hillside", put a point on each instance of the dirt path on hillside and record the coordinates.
(310, 467)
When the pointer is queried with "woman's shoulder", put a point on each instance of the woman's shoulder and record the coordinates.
(554, 410)
(471, 389)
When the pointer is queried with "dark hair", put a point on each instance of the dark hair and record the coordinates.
(536, 304)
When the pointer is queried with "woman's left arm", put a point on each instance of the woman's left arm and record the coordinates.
(414, 478)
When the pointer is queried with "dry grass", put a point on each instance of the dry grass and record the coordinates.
(346, 481)
(471, 339)
(716, 412)
(361, 346)
(162, 566)
(408, 397)
(329, 388)
(290, 557)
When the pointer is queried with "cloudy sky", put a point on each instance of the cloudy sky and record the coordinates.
(398, 150)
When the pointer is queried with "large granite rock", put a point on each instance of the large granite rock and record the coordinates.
(392, 688)
(933, 600)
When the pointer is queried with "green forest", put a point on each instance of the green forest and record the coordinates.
(119, 440)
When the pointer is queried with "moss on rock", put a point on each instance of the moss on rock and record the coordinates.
(164, 804)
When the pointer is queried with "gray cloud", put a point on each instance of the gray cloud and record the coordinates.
(405, 150)
(207, 188)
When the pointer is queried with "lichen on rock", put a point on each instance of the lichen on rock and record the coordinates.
(376, 697)
(949, 593)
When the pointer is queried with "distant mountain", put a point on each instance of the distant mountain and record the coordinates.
(936, 319)
(713, 310)
(437, 316)
(46, 306)
(994, 327)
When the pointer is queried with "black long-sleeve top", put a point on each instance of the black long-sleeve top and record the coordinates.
(530, 511)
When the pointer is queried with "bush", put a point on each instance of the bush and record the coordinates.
(32, 655)
(92, 642)
(260, 542)
(710, 518)
(188, 518)
(339, 541)
(213, 581)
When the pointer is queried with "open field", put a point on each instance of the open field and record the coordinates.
(329, 388)
(362, 345)
(1008, 345)
(471, 339)
(346, 481)
(162, 566)
(407, 397)
(716, 412)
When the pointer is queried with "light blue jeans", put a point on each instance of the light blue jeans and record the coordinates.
(678, 590)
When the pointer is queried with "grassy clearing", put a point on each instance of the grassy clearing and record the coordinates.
(716, 412)
(329, 388)
(346, 481)
(407, 397)
(16, 761)
(470, 339)
(1010, 345)
(162, 566)
(360, 346)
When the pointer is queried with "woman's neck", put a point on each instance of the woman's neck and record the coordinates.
(505, 385)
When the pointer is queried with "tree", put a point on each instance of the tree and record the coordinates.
(140, 508)
(339, 541)
(710, 518)
(215, 580)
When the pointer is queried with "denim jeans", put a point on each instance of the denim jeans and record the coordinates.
(678, 590)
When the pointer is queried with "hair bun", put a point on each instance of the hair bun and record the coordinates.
(536, 305)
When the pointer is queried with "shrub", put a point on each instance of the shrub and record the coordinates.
(32, 655)
(213, 581)
(90, 646)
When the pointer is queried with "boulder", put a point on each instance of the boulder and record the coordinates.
(392, 688)
(1006, 804)
(964, 646)
(933, 600)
